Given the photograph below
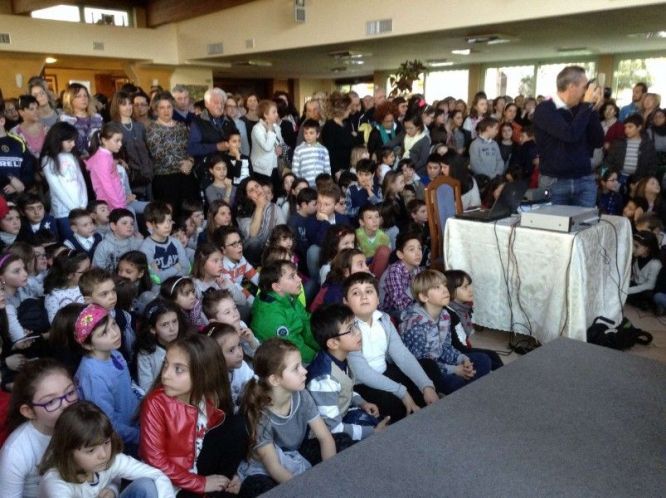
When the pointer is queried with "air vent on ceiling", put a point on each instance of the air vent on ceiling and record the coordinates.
(489, 39)
(215, 48)
(252, 63)
(379, 27)
(574, 51)
(249, 43)
(347, 54)
(5, 39)
(98, 45)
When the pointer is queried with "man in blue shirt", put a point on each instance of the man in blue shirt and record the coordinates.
(637, 94)
(567, 129)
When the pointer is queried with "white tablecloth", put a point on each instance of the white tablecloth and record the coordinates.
(555, 289)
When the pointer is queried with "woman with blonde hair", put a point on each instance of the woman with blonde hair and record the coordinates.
(48, 111)
(80, 111)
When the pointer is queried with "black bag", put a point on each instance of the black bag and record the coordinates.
(603, 332)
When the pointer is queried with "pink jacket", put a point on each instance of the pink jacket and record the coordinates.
(105, 179)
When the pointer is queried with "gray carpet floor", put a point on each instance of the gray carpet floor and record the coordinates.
(568, 419)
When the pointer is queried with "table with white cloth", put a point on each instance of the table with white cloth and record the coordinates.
(538, 282)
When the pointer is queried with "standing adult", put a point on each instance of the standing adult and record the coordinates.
(47, 104)
(637, 94)
(336, 136)
(79, 110)
(141, 108)
(30, 129)
(167, 142)
(567, 130)
(181, 108)
(134, 150)
(385, 131)
(209, 132)
(251, 116)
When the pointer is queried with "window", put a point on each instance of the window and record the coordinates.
(509, 80)
(442, 84)
(631, 71)
(106, 17)
(69, 13)
(546, 83)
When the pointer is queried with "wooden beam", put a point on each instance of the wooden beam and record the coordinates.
(27, 6)
(166, 11)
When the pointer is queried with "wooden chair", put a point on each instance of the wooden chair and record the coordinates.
(443, 197)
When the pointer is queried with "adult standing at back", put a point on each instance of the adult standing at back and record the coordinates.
(209, 132)
(79, 111)
(637, 94)
(181, 105)
(336, 135)
(567, 129)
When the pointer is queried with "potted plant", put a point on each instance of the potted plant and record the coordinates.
(407, 73)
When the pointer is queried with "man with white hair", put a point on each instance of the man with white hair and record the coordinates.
(209, 131)
(181, 107)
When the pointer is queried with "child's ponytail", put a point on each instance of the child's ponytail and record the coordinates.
(106, 132)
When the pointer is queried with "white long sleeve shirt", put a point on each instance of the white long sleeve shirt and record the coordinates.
(68, 188)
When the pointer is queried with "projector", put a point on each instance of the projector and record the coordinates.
(559, 218)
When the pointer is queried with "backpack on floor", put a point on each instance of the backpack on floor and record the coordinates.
(603, 332)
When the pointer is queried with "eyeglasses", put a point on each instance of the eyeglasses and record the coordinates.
(235, 243)
(353, 330)
(56, 403)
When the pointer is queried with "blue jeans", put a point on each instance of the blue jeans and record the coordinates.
(660, 299)
(141, 488)
(452, 382)
(571, 191)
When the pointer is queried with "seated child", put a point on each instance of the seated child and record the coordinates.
(386, 161)
(433, 169)
(61, 285)
(31, 208)
(609, 199)
(364, 191)
(99, 211)
(236, 270)
(166, 256)
(644, 270)
(97, 287)
(344, 263)
(222, 187)
(181, 292)
(459, 284)
(119, 240)
(419, 223)
(240, 372)
(277, 312)
(182, 231)
(395, 283)
(219, 306)
(133, 265)
(84, 238)
(326, 216)
(103, 376)
(279, 414)
(85, 456)
(426, 331)
(485, 158)
(526, 156)
(330, 380)
(306, 206)
(163, 323)
(411, 178)
(387, 374)
(372, 240)
(10, 223)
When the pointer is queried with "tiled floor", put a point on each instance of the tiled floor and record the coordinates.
(499, 341)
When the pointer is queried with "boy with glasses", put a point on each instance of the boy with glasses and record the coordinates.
(235, 268)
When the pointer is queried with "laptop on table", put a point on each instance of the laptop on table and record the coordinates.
(505, 205)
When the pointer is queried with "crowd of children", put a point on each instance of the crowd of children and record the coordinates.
(124, 319)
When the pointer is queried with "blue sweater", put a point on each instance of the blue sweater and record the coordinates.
(565, 139)
(107, 383)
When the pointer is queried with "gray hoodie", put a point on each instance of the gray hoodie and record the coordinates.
(111, 248)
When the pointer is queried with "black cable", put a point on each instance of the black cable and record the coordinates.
(512, 255)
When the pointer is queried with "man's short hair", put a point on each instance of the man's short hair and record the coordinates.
(642, 85)
(179, 89)
(332, 191)
(569, 75)
(271, 274)
(326, 322)
(426, 280)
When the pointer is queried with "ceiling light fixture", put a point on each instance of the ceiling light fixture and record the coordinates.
(465, 51)
(649, 35)
(50, 60)
(439, 63)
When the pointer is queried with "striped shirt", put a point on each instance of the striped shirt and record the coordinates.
(631, 156)
(310, 160)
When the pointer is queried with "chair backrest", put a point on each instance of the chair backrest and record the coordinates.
(443, 200)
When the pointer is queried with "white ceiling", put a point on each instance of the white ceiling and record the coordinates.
(601, 33)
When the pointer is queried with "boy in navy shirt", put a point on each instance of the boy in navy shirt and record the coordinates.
(34, 216)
